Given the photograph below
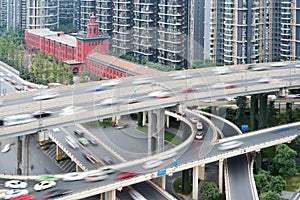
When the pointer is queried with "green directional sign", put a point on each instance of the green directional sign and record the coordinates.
(25, 94)
(134, 91)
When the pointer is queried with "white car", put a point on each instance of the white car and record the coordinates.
(112, 83)
(158, 94)
(6, 148)
(142, 80)
(111, 101)
(43, 185)
(15, 184)
(152, 164)
(230, 145)
(135, 195)
(97, 176)
(1, 74)
(74, 176)
(45, 96)
(71, 110)
(199, 126)
(71, 142)
(14, 193)
(260, 68)
(223, 70)
(194, 120)
(278, 64)
(264, 80)
(199, 136)
(182, 76)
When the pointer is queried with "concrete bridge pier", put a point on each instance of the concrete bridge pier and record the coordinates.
(162, 182)
(195, 182)
(59, 152)
(167, 121)
(144, 118)
(254, 112)
(221, 168)
(156, 130)
(23, 155)
(110, 195)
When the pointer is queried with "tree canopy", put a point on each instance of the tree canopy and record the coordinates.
(210, 190)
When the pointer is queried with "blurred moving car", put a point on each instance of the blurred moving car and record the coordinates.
(6, 148)
(15, 193)
(74, 176)
(83, 141)
(112, 83)
(182, 76)
(108, 170)
(199, 135)
(43, 185)
(92, 140)
(135, 195)
(56, 193)
(230, 145)
(15, 184)
(142, 80)
(97, 176)
(45, 96)
(223, 70)
(89, 157)
(121, 126)
(71, 142)
(108, 160)
(71, 110)
(194, 120)
(46, 177)
(278, 64)
(123, 175)
(42, 114)
(188, 89)
(159, 94)
(111, 101)
(152, 164)
(78, 133)
(18, 119)
(23, 197)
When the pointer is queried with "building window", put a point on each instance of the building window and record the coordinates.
(91, 30)
(95, 30)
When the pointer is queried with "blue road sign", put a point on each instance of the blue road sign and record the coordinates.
(245, 127)
(175, 164)
(161, 172)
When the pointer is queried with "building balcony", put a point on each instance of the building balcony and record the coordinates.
(168, 50)
(169, 59)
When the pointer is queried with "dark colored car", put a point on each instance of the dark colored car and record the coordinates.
(42, 114)
(1, 122)
(56, 193)
(121, 126)
(78, 133)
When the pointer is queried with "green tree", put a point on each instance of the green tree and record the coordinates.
(284, 161)
(277, 184)
(270, 195)
(262, 181)
(241, 103)
(210, 190)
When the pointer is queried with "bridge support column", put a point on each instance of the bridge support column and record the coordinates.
(263, 111)
(156, 130)
(201, 174)
(144, 118)
(58, 153)
(162, 182)
(23, 155)
(221, 163)
(78, 169)
(167, 121)
(186, 181)
(110, 195)
(195, 183)
(289, 112)
(116, 119)
(254, 113)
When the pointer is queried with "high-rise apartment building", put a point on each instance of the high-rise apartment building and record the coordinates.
(3, 13)
(66, 9)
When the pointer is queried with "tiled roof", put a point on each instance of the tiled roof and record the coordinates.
(129, 67)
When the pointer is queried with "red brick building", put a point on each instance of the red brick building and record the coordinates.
(105, 66)
(71, 49)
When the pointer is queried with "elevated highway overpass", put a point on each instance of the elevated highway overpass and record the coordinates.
(205, 81)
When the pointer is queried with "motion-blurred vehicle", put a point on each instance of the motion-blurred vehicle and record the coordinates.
(15, 193)
(278, 64)
(199, 126)
(142, 80)
(56, 193)
(74, 176)
(131, 101)
(43, 185)
(89, 157)
(199, 135)
(83, 141)
(121, 126)
(194, 120)
(42, 114)
(46, 177)
(223, 85)
(15, 184)
(223, 70)
(18, 119)
(108, 170)
(45, 96)
(123, 175)
(92, 140)
(152, 164)
(6, 148)
(97, 176)
(111, 101)
(264, 80)
(108, 160)
(260, 68)
(167, 155)
(182, 76)
(112, 83)
(230, 145)
(13, 82)
(188, 89)
(159, 94)
(71, 110)
(135, 195)
(78, 133)
(71, 142)
(23, 197)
